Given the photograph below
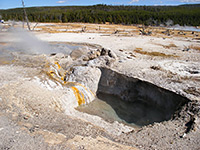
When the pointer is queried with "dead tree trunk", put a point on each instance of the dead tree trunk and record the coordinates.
(25, 15)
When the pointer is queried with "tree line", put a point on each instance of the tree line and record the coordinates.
(148, 15)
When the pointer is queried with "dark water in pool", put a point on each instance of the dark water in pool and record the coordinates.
(112, 108)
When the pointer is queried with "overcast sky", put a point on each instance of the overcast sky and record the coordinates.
(5, 4)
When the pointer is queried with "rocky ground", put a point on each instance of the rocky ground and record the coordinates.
(37, 107)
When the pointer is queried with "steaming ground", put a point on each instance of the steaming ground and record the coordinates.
(31, 115)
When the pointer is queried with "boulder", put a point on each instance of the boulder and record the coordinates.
(56, 57)
(75, 54)
(108, 52)
(86, 58)
(103, 51)
(87, 76)
(64, 62)
(92, 56)
(102, 61)
(112, 54)
(98, 53)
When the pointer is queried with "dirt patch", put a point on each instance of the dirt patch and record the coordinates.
(195, 47)
(99, 143)
(154, 53)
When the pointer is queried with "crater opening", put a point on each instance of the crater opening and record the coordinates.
(132, 101)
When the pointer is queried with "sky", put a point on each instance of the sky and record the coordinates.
(6, 4)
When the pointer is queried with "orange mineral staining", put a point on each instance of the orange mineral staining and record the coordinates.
(79, 96)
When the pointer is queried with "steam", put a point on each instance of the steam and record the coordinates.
(28, 43)
(169, 23)
(184, 28)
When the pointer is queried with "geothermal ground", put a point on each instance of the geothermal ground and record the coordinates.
(90, 86)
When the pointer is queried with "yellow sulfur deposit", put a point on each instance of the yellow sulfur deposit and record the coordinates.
(59, 67)
(79, 96)
(83, 87)
(59, 74)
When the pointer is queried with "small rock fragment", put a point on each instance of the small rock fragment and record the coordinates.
(112, 54)
(98, 52)
(92, 56)
(103, 51)
(155, 67)
(86, 58)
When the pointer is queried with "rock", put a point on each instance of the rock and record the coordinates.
(64, 62)
(86, 58)
(108, 52)
(155, 67)
(92, 56)
(109, 61)
(58, 56)
(88, 76)
(98, 53)
(26, 117)
(102, 61)
(98, 62)
(75, 54)
(103, 51)
(112, 54)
